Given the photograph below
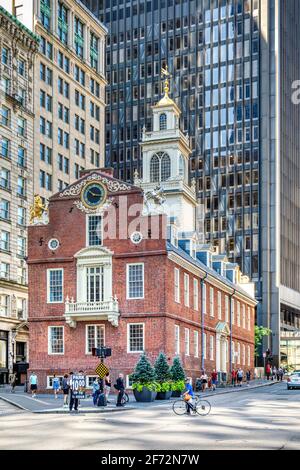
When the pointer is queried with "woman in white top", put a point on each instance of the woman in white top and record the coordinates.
(204, 380)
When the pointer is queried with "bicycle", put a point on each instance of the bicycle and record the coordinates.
(125, 398)
(200, 407)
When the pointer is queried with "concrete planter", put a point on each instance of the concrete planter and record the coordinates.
(164, 395)
(145, 396)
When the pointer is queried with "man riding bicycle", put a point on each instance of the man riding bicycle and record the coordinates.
(188, 396)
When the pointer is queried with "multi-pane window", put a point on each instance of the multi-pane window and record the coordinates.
(55, 285)
(135, 281)
(94, 53)
(204, 300)
(4, 209)
(204, 346)
(21, 127)
(56, 340)
(196, 344)
(4, 305)
(94, 337)
(4, 178)
(95, 230)
(160, 167)
(95, 284)
(186, 280)
(45, 13)
(4, 270)
(219, 306)
(5, 56)
(187, 341)
(177, 339)
(196, 294)
(226, 308)
(244, 316)
(21, 246)
(4, 240)
(177, 284)
(5, 116)
(62, 23)
(135, 337)
(248, 319)
(238, 314)
(21, 156)
(21, 67)
(5, 144)
(21, 216)
(163, 122)
(233, 311)
(211, 347)
(211, 298)
(79, 40)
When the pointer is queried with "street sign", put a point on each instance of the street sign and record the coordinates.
(102, 352)
(78, 386)
(102, 370)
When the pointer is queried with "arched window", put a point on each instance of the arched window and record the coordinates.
(165, 171)
(160, 167)
(154, 169)
(163, 122)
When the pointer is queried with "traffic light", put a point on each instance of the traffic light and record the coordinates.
(102, 352)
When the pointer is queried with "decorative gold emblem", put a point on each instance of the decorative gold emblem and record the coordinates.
(37, 210)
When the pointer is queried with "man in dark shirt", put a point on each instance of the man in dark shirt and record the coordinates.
(121, 389)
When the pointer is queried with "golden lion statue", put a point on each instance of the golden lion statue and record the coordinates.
(37, 210)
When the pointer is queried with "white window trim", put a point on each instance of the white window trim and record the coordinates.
(196, 294)
(127, 281)
(127, 383)
(186, 342)
(87, 381)
(48, 285)
(49, 387)
(49, 341)
(87, 238)
(219, 305)
(204, 346)
(177, 328)
(211, 302)
(211, 348)
(86, 336)
(128, 336)
(226, 308)
(249, 319)
(186, 284)
(177, 288)
(196, 343)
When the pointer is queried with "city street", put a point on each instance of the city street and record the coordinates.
(263, 418)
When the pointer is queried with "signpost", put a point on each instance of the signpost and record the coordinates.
(78, 386)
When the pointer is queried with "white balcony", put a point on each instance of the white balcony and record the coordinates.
(92, 311)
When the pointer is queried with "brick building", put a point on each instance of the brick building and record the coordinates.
(122, 266)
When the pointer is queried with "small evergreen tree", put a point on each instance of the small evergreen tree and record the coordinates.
(162, 369)
(144, 372)
(177, 371)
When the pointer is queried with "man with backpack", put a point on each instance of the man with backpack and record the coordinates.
(121, 389)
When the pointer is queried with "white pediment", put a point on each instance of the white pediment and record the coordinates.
(223, 328)
(94, 254)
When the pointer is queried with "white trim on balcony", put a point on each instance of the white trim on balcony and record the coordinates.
(91, 311)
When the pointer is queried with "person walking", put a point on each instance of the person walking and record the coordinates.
(239, 376)
(274, 373)
(121, 388)
(280, 374)
(204, 381)
(268, 371)
(96, 391)
(73, 399)
(65, 388)
(233, 377)
(107, 386)
(248, 377)
(13, 382)
(55, 385)
(33, 382)
(214, 379)
(188, 396)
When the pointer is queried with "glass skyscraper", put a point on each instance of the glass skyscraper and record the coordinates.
(231, 80)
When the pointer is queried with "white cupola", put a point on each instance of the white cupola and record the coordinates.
(166, 153)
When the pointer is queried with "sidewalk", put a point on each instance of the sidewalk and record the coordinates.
(47, 404)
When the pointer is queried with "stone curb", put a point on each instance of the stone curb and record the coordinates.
(113, 410)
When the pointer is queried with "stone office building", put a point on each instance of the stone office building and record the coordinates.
(18, 47)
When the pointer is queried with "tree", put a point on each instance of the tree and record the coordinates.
(260, 332)
(162, 369)
(177, 371)
(144, 372)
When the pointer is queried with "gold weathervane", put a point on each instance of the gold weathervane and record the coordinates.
(166, 74)
(37, 210)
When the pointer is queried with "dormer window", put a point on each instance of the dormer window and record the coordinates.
(163, 122)
(160, 167)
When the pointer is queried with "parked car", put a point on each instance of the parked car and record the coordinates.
(293, 381)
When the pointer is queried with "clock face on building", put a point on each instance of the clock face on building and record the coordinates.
(93, 195)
